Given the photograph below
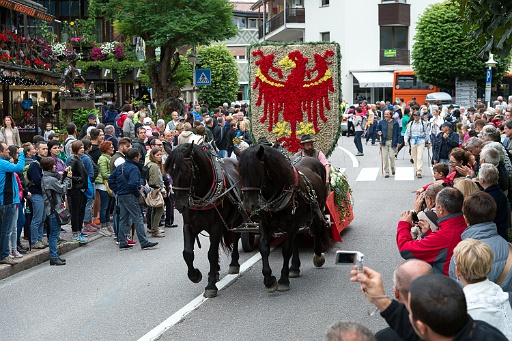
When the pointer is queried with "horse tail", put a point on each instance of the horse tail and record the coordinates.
(322, 231)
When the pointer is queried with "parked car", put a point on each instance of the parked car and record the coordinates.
(346, 121)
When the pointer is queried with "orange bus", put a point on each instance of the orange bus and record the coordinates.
(406, 86)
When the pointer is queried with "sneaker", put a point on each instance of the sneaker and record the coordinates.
(411, 160)
(126, 247)
(105, 232)
(89, 229)
(56, 261)
(38, 245)
(110, 229)
(8, 260)
(45, 242)
(171, 225)
(16, 254)
(393, 171)
(359, 154)
(387, 175)
(61, 241)
(158, 234)
(80, 239)
(22, 248)
(418, 175)
(117, 241)
(130, 242)
(96, 222)
(149, 245)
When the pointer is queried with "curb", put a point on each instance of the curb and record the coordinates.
(36, 257)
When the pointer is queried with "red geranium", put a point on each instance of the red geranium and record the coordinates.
(27, 62)
(4, 38)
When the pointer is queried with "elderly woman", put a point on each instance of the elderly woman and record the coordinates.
(488, 178)
(106, 149)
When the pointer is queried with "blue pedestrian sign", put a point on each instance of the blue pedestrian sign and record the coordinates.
(488, 76)
(203, 77)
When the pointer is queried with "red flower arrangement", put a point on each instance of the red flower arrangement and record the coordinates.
(4, 38)
(28, 62)
(5, 58)
(38, 63)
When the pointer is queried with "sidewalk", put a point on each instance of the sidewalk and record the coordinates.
(38, 256)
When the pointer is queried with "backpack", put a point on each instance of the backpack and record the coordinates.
(26, 181)
(121, 119)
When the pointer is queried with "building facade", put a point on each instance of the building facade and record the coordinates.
(375, 36)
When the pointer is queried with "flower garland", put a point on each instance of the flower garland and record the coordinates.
(342, 192)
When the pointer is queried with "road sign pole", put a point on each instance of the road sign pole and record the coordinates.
(488, 80)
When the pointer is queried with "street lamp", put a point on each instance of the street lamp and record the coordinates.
(194, 59)
(488, 79)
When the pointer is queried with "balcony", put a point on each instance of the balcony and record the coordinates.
(281, 21)
(402, 58)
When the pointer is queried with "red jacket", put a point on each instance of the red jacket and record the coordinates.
(436, 247)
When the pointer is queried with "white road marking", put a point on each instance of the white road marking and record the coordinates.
(368, 174)
(355, 162)
(175, 318)
(404, 173)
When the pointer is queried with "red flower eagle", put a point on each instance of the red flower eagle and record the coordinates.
(297, 94)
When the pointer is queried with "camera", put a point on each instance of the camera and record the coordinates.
(415, 219)
(350, 257)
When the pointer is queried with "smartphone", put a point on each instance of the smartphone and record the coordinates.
(350, 257)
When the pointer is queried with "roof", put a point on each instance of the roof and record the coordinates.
(240, 6)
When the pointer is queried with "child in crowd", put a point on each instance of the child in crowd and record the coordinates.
(441, 171)
(48, 131)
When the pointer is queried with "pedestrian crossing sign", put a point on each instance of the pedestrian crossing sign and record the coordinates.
(203, 77)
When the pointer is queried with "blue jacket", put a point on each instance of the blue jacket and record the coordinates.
(450, 142)
(502, 219)
(383, 127)
(125, 179)
(487, 233)
(35, 173)
(7, 167)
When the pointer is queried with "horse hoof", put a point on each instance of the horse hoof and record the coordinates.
(272, 288)
(217, 276)
(283, 287)
(210, 293)
(233, 270)
(198, 277)
(294, 273)
(318, 260)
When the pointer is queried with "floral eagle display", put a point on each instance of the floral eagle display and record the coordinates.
(294, 98)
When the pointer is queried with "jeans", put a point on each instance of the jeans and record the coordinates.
(6, 221)
(76, 200)
(53, 236)
(38, 217)
(20, 222)
(14, 230)
(222, 153)
(88, 210)
(357, 141)
(130, 211)
(105, 202)
(371, 133)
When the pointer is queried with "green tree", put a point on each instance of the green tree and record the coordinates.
(441, 51)
(224, 76)
(489, 22)
(170, 25)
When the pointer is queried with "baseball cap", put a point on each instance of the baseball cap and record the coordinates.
(147, 120)
(91, 116)
(446, 124)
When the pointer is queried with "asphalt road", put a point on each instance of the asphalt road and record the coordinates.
(107, 294)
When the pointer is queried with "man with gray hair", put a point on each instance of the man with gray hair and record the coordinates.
(110, 136)
(492, 156)
(488, 179)
(129, 126)
(490, 133)
(348, 331)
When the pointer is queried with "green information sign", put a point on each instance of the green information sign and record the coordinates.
(391, 53)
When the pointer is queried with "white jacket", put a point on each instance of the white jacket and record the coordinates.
(487, 302)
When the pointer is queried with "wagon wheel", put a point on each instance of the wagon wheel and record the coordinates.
(248, 241)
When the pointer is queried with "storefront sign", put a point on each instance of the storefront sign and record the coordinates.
(26, 10)
(391, 53)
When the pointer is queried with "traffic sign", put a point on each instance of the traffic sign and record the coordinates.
(488, 76)
(203, 77)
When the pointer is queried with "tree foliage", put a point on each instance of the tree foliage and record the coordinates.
(441, 52)
(489, 22)
(170, 25)
(224, 70)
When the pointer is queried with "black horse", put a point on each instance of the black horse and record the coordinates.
(206, 195)
(286, 198)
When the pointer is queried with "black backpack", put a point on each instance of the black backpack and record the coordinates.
(145, 172)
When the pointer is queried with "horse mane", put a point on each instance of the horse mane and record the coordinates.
(201, 159)
(278, 169)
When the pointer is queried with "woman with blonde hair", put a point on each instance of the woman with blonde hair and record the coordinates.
(466, 186)
(156, 182)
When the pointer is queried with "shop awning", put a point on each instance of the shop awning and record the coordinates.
(374, 79)
(46, 88)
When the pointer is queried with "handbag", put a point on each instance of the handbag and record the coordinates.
(155, 198)
(109, 191)
(63, 214)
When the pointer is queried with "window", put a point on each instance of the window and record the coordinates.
(252, 23)
(324, 3)
(325, 36)
(401, 1)
(411, 82)
(393, 37)
(240, 22)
